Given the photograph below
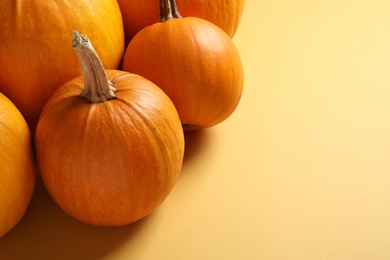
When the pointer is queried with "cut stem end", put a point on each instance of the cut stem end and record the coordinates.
(97, 86)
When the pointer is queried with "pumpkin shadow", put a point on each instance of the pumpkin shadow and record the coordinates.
(194, 142)
(46, 232)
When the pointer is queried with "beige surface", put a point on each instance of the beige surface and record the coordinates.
(300, 171)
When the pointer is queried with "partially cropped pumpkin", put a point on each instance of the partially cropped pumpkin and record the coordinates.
(35, 55)
(17, 166)
(138, 14)
(193, 61)
(109, 145)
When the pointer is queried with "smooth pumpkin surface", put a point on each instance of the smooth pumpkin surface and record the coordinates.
(36, 57)
(138, 14)
(114, 162)
(17, 166)
(195, 63)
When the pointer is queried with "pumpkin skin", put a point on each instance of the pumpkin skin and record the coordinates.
(17, 166)
(110, 163)
(36, 57)
(137, 14)
(195, 63)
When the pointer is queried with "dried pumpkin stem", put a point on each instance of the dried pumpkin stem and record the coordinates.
(97, 87)
(168, 10)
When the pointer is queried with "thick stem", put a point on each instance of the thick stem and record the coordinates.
(97, 87)
(168, 10)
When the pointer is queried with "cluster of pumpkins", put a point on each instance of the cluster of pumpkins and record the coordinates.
(96, 95)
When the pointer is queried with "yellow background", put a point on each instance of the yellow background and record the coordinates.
(300, 171)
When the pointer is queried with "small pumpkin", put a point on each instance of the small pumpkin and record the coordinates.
(193, 61)
(35, 57)
(17, 166)
(137, 14)
(109, 145)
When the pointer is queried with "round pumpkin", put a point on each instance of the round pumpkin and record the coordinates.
(36, 57)
(194, 62)
(138, 14)
(109, 145)
(17, 166)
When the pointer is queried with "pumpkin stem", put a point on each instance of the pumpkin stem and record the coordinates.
(97, 86)
(168, 10)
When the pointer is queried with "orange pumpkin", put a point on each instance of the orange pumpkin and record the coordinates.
(109, 145)
(35, 55)
(194, 62)
(138, 14)
(17, 166)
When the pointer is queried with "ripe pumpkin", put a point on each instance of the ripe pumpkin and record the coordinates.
(17, 166)
(193, 61)
(35, 55)
(138, 14)
(109, 145)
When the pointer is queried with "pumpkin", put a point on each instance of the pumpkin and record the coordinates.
(109, 145)
(35, 57)
(193, 61)
(138, 14)
(17, 166)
